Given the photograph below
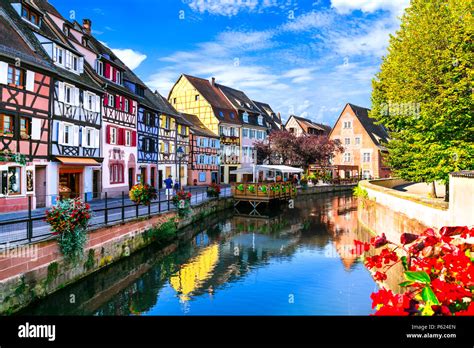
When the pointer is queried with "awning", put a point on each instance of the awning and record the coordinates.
(247, 170)
(283, 169)
(80, 161)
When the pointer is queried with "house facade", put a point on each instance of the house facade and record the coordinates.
(363, 145)
(204, 159)
(200, 97)
(303, 126)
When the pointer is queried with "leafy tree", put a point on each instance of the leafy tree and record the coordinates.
(423, 93)
(284, 147)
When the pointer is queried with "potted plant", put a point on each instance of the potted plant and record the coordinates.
(214, 190)
(263, 189)
(304, 183)
(69, 220)
(142, 194)
(251, 188)
(182, 202)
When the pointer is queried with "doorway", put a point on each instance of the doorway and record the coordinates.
(232, 177)
(69, 184)
(143, 175)
(131, 181)
(152, 177)
(160, 179)
(40, 187)
(96, 184)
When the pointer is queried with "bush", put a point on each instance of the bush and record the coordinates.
(142, 194)
(69, 220)
(165, 233)
(360, 192)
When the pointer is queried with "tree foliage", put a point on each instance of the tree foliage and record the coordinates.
(284, 147)
(429, 69)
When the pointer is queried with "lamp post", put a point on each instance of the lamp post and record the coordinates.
(180, 153)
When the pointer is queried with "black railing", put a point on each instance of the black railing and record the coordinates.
(27, 226)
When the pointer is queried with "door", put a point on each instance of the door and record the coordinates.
(143, 175)
(214, 177)
(40, 187)
(232, 177)
(131, 181)
(160, 179)
(96, 184)
(152, 177)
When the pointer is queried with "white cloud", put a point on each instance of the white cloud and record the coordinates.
(347, 6)
(131, 58)
(308, 21)
(231, 8)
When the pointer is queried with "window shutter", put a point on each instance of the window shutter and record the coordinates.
(172, 148)
(107, 134)
(76, 135)
(68, 60)
(3, 73)
(84, 136)
(97, 103)
(81, 65)
(134, 138)
(121, 133)
(96, 138)
(114, 75)
(107, 70)
(60, 129)
(130, 106)
(123, 104)
(77, 93)
(117, 102)
(106, 99)
(30, 81)
(162, 147)
(61, 91)
(35, 128)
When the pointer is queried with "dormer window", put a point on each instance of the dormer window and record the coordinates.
(232, 115)
(246, 117)
(30, 15)
(99, 67)
(221, 114)
(260, 120)
(66, 30)
(59, 55)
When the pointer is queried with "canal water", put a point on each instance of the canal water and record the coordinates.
(290, 261)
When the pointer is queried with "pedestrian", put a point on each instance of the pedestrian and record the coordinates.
(169, 186)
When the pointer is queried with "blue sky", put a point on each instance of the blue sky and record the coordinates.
(303, 57)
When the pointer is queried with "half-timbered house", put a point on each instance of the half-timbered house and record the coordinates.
(182, 149)
(204, 160)
(25, 83)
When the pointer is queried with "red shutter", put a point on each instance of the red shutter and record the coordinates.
(106, 100)
(130, 106)
(117, 102)
(121, 136)
(114, 75)
(107, 70)
(107, 134)
(134, 138)
(123, 104)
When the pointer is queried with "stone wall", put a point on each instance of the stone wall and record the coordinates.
(325, 189)
(44, 271)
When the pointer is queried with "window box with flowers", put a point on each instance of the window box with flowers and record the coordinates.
(182, 202)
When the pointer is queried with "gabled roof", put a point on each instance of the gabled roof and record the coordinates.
(377, 133)
(215, 98)
(197, 127)
(305, 124)
(160, 103)
(238, 99)
(272, 118)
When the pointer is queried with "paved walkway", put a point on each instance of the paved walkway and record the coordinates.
(422, 189)
(13, 226)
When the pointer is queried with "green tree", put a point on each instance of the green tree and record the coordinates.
(423, 92)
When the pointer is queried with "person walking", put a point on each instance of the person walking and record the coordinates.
(169, 186)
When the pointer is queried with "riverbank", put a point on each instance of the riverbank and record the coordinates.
(39, 270)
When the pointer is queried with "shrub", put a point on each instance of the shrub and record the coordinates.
(438, 268)
(142, 194)
(360, 192)
(69, 220)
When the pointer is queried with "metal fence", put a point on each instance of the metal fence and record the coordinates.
(29, 225)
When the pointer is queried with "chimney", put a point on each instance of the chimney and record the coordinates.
(213, 82)
(87, 25)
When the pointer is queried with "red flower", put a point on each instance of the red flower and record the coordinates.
(379, 276)
(379, 241)
(407, 238)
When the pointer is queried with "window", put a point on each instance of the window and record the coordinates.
(232, 115)
(68, 94)
(113, 135)
(30, 15)
(347, 141)
(99, 68)
(347, 157)
(59, 55)
(221, 130)
(260, 120)
(68, 134)
(259, 134)
(118, 77)
(116, 173)
(16, 76)
(347, 124)
(25, 128)
(292, 130)
(128, 138)
(174, 100)
(366, 174)
(246, 117)
(232, 131)
(252, 134)
(245, 133)
(127, 106)
(88, 137)
(366, 157)
(6, 125)
(111, 100)
(75, 63)
(196, 97)
(202, 176)
(357, 141)
(221, 114)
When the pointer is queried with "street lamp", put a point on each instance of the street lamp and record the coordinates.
(180, 153)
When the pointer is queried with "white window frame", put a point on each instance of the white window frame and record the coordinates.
(367, 157)
(347, 157)
(127, 105)
(111, 100)
(70, 141)
(90, 131)
(357, 140)
(72, 89)
(245, 132)
(100, 67)
(260, 120)
(128, 138)
(113, 135)
(347, 141)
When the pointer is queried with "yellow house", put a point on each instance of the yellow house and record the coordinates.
(200, 97)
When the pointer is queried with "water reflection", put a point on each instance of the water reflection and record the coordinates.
(290, 262)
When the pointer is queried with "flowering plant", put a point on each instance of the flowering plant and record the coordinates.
(182, 202)
(438, 267)
(263, 189)
(69, 220)
(240, 187)
(142, 194)
(251, 188)
(214, 190)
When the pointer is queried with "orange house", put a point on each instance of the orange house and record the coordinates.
(363, 142)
